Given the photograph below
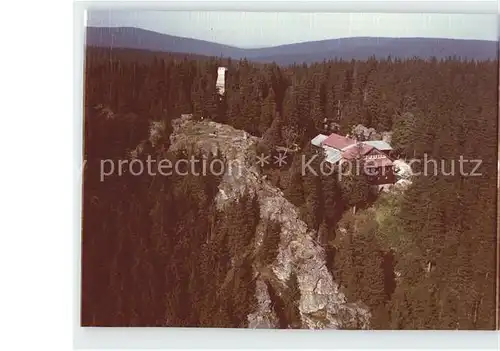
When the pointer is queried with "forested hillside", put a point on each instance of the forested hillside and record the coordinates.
(359, 48)
(420, 259)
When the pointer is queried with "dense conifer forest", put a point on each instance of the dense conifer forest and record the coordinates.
(421, 259)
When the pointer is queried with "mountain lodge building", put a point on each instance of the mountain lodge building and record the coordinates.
(378, 164)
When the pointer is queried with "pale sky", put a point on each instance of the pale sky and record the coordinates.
(259, 29)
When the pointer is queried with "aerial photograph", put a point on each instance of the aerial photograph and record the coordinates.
(288, 170)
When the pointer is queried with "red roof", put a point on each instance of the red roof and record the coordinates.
(338, 141)
(358, 150)
(351, 149)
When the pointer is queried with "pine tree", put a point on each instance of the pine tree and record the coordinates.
(270, 243)
(268, 112)
(355, 188)
(294, 191)
(312, 190)
(316, 113)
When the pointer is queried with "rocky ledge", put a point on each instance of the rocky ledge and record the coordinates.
(321, 305)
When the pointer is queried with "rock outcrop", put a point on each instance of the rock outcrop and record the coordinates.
(321, 303)
(402, 169)
(362, 133)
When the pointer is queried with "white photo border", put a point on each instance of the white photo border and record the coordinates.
(177, 338)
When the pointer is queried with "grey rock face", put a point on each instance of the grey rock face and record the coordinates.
(321, 303)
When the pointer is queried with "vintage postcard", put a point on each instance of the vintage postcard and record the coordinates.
(290, 170)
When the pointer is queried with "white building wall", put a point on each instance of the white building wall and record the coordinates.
(221, 80)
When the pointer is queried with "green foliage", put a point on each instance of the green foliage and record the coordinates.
(312, 191)
(359, 267)
(268, 113)
(355, 189)
(156, 253)
(404, 134)
(295, 189)
(270, 243)
(273, 137)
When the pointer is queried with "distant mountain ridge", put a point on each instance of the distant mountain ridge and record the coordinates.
(309, 52)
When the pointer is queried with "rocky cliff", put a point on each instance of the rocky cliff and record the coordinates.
(321, 305)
